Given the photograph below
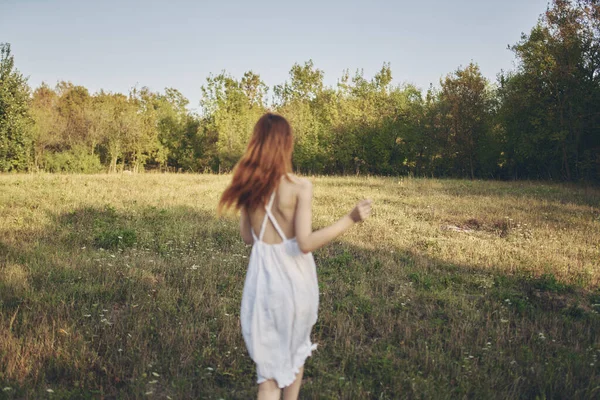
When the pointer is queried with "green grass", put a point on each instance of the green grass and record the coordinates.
(116, 286)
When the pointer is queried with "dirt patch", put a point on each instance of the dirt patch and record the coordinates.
(455, 228)
(473, 223)
(501, 228)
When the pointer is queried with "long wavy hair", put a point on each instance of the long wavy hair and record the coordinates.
(268, 157)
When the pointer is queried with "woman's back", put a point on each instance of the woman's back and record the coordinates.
(283, 209)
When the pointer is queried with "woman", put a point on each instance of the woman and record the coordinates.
(281, 294)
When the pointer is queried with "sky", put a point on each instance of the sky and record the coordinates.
(117, 45)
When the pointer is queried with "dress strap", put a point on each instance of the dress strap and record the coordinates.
(270, 216)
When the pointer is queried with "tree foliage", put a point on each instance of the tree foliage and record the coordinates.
(539, 121)
(550, 105)
(15, 141)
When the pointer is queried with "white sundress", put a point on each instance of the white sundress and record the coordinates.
(279, 305)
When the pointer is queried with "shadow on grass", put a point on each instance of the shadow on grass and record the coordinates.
(556, 194)
(553, 192)
(112, 303)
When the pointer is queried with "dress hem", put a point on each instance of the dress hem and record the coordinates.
(288, 379)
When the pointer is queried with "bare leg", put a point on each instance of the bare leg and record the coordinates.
(291, 392)
(268, 390)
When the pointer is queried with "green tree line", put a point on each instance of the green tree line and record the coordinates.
(539, 121)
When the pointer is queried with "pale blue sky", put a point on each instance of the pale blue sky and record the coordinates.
(116, 45)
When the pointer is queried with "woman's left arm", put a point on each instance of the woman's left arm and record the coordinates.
(245, 226)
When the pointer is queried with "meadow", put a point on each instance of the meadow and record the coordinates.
(129, 286)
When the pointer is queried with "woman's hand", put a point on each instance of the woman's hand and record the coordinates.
(361, 211)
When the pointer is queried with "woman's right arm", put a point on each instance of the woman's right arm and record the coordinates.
(245, 226)
(307, 239)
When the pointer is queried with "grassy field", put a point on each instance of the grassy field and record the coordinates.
(128, 286)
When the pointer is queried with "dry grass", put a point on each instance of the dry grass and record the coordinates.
(129, 287)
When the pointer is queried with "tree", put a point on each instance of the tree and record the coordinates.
(466, 101)
(306, 82)
(15, 121)
(231, 108)
(45, 130)
(72, 108)
(556, 132)
(298, 100)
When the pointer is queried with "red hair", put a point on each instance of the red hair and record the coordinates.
(268, 157)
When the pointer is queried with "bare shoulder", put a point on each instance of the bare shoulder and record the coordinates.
(302, 185)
